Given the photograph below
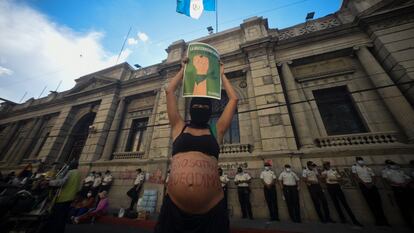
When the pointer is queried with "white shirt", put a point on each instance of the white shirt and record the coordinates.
(88, 180)
(97, 181)
(331, 176)
(288, 178)
(140, 179)
(363, 172)
(242, 177)
(311, 175)
(224, 180)
(395, 176)
(267, 176)
(107, 179)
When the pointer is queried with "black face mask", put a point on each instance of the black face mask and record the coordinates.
(200, 116)
(239, 170)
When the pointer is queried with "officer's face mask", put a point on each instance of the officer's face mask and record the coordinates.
(89, 195)
(267, 168)
(288, 169)
(200, 111)
(361, 162)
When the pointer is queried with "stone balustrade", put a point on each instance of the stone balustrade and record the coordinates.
(235, 148)
(129, 155)
(358, 139)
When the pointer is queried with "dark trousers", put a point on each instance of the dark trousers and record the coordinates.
(58, 217)
(271, 200)
(338, 198)
(319, 200)
(291, 195)
(134, 195)
(402, 197)
(225, 198)
(373, 199)
(244, 199)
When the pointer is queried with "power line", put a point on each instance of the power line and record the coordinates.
(250, 110)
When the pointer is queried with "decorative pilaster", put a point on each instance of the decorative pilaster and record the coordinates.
(114, 131)
(7, 136)
(27, 141)
(391, 95)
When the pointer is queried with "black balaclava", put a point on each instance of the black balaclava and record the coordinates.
(200, 116)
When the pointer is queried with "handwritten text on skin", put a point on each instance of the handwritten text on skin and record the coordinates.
(204, 174)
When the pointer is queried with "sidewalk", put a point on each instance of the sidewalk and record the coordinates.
(115, 225)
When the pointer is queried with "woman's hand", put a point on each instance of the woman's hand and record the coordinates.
(221, 69)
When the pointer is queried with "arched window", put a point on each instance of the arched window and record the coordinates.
(233, 133)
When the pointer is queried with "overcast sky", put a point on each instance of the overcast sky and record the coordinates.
(43, 42)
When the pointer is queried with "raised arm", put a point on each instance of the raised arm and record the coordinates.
(224, 121)
(172, 109)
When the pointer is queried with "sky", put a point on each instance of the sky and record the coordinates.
(45, 42)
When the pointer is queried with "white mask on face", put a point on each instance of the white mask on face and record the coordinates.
(89, 194)
(267, 168)
(288, 169)
(361, 162)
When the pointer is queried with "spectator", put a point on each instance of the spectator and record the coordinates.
(69, 187)
(82, 205)
(288, 181)
(101, 209)
(96, 183)
(133, 193)
(106, 181)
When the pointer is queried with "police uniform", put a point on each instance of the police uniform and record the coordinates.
(106, 182)
(224, 180)
(335, 192)
(134, 191)
(268, 177)
(370, 192)
(243, 192)
(317, 195)
(96, 185)
(290, 192)
(398, 181)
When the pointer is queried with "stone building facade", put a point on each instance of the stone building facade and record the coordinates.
(328, 89)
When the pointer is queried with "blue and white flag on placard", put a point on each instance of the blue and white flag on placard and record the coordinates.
(194, 8)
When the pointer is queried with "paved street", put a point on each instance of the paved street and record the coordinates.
(250, 226)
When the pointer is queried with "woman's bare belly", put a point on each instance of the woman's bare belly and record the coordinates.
(194, 184)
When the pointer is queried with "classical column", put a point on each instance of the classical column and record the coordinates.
(391, 95)
(114, 130)
(298, 110)
(27, 141)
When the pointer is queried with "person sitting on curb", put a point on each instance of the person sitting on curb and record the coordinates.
(93, 214)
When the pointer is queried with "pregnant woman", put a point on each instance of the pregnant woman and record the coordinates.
(194, 201)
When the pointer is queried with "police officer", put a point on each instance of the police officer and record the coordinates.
(399, 181)
(311, 177)
(365, 177)
(242, 180)
(223, 180)
(268, 178)
(332, 179)
(288, 181)
(106, 181)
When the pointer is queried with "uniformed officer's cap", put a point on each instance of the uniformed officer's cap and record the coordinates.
(287, 165)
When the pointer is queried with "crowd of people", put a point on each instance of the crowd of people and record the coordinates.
(313, 176)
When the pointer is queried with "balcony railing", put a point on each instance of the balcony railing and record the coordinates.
(358, 139)
(235, 148)
(128, 155)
